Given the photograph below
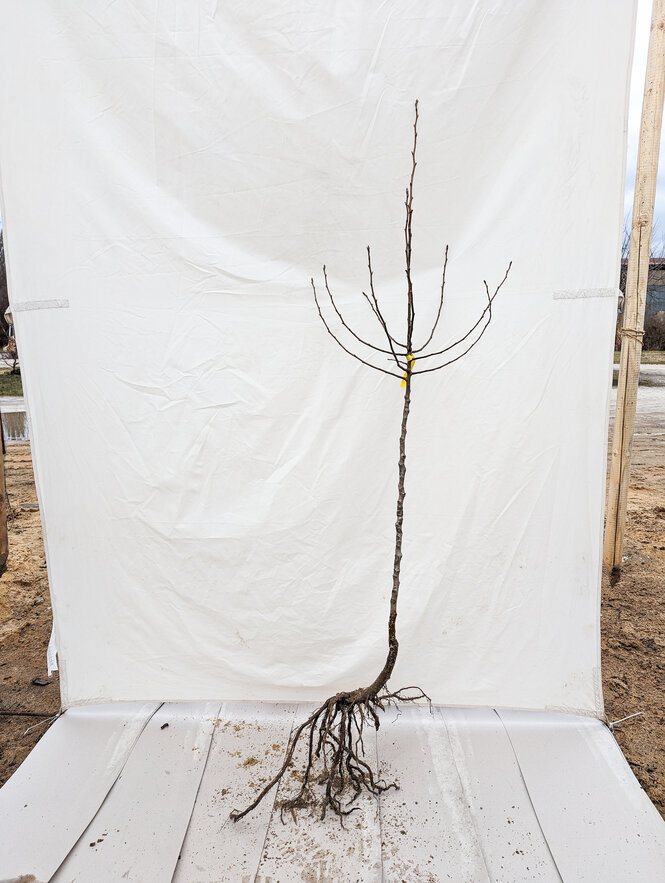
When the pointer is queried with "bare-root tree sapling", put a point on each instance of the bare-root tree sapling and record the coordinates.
(335, 772)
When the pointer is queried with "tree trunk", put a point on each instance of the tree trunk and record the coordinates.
(393, 645)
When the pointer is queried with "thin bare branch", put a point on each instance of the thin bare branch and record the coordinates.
(381, 320)
(350, 330)
(339, 342)
(377, 308)
(373, 308)
(457, 358)
(438, 315)
(379, 314)
(490, 300)
(408, 236)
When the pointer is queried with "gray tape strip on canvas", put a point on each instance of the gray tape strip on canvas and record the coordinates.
(54, 304)
(575, 293)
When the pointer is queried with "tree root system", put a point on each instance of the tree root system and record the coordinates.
(336, 772)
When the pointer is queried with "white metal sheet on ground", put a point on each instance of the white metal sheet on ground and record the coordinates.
(48, 802)
(506, 825)
(474, 799)
(306, 847)
(215, 847)
(599, 823)
(427, 828)
(138, 832)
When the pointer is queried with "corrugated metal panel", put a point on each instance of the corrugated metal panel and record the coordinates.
(217, 848)
(484, 795)
(138, 832)
(48, 802)
(505, 822)
(599, 823)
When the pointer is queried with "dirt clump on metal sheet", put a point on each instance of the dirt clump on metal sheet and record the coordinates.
(633, 621)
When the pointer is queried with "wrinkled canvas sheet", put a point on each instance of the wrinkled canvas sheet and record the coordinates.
(217, 478)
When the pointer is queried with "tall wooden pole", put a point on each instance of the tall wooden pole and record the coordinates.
(636, 288)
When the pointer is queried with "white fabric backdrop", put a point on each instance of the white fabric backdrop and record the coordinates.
(217, 479)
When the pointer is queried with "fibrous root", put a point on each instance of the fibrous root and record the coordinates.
(334, 738)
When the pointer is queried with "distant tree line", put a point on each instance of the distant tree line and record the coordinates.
(654, 321)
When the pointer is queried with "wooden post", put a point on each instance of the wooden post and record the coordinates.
(636, 287)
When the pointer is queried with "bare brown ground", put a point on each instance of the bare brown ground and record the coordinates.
(633, 621)
(25, 621)
(633, 617)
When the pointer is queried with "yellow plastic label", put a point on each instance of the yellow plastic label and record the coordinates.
(411, 361)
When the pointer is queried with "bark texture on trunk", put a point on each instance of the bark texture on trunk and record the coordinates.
(393, 644)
